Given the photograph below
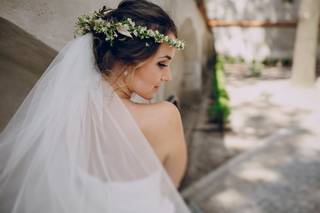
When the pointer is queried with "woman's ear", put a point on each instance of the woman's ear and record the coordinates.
(128, 73)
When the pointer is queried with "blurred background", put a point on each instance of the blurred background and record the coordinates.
(247, 85)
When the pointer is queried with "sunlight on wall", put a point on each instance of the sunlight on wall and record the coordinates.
(247, 43)
(253, 43)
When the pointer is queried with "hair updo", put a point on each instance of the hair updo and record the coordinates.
(131, 51)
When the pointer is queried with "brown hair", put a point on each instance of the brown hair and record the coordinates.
(131, 51)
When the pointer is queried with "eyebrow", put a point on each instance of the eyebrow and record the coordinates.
(168, 57)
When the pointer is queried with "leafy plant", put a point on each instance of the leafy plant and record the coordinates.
(219, 110)
(255, 69)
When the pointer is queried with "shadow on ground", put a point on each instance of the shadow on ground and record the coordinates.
(269, 161)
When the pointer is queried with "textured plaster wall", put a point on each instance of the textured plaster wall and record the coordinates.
(49, 21)
(22, 59)
(37, 29)
(254, 43)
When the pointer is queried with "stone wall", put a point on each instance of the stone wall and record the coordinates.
(33, 31)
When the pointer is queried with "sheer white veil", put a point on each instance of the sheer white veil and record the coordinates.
(72, 146)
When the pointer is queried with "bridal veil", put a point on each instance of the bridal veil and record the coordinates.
(72, 146)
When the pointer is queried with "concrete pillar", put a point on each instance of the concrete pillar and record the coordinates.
(305, 50)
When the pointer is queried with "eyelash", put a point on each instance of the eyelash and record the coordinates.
(162, 65)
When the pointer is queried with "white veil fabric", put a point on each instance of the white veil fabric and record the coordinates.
(73, 146)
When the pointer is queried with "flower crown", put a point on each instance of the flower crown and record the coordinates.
(88, 23)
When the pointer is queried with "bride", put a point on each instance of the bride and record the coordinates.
(79, 144)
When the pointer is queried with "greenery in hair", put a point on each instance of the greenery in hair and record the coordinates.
(95, 23)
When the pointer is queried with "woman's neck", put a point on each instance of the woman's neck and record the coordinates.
(123, 94)
(121, 90)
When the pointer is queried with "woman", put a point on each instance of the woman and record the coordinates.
(78, 144)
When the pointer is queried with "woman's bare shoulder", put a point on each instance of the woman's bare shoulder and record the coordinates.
(161, 124)
(164, 108)
(159, 114)
(166, 129)
(155, 116)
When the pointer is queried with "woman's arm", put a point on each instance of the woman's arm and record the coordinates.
(161, 124)
(176, 160)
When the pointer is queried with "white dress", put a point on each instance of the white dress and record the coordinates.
(140, 196)
(73, 119)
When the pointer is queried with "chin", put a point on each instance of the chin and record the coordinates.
(146, 94)
(147, 97)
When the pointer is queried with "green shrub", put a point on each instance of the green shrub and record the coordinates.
(219, 110)
(255, 69)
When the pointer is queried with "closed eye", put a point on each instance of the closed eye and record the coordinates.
(162, 65)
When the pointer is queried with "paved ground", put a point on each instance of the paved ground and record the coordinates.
(264, 105)
(270, 161)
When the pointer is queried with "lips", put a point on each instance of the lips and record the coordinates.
(156, 87)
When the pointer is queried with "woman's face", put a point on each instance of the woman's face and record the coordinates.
(153, 72)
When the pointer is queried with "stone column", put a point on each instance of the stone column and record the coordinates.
(304, 58)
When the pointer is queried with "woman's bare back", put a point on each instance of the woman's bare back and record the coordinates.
(161, 125)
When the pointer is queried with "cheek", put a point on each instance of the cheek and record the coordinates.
(148, 77)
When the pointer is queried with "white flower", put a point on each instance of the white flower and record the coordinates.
(123, 29)
(131, 22)
(151, 33)
(87, 23)
(135, 33)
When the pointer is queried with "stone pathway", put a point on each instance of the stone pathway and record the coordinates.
(263, 105)
(270, 160)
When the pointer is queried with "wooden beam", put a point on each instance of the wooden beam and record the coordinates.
(250, 23)
(202, 9)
